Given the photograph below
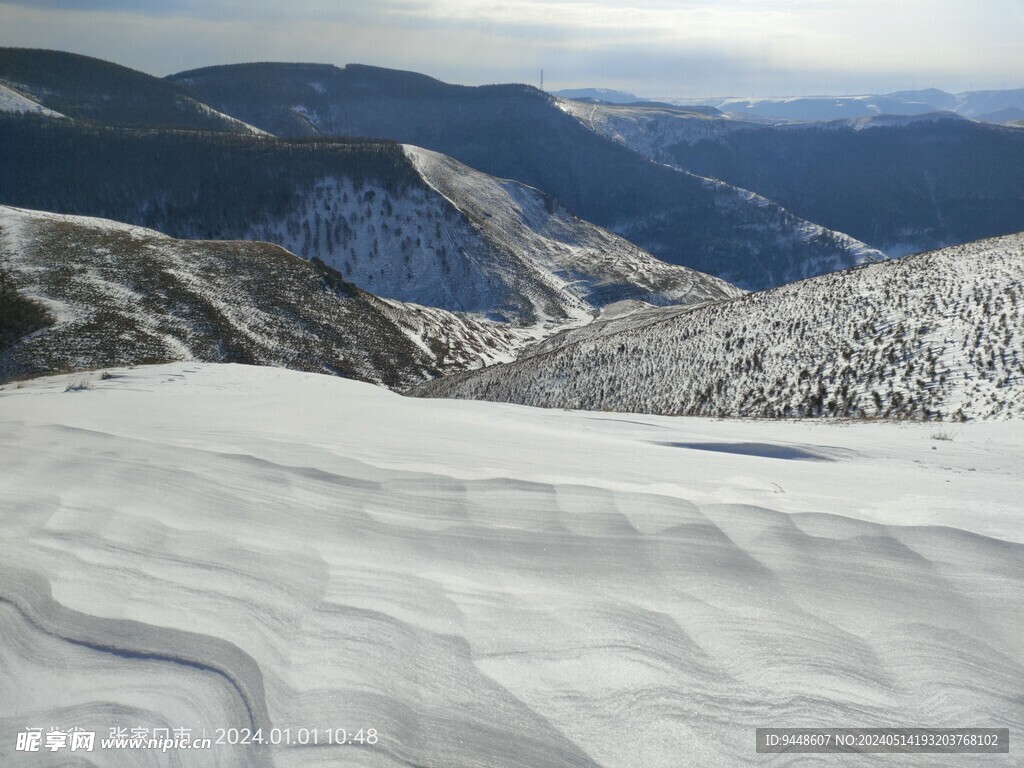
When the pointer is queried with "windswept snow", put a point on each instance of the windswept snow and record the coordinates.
(203, 546)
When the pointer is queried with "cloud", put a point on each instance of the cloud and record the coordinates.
(660, 47)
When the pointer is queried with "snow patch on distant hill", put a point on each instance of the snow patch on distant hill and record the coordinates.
(649, 128)
(242, 127)
(13, 101)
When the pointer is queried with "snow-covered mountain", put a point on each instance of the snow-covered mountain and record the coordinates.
(462, 240)
(101, 93)
(934, 336)
(649, 128)
(83, 293)
(486, 586)
(909, 184)
(372, 210)
(575, 257)
(518, 132)
(978, 105)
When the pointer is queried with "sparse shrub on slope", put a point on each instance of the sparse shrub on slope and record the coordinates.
(935, 336)
(127, 295)
(19, 316)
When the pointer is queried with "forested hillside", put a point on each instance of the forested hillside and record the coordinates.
(933, 336)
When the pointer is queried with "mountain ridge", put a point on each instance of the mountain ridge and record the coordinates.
(518, 132)
(100, 92)
(104, 293)
(361, 206)
(902, 184)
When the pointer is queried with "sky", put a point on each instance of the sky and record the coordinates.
(680, 48)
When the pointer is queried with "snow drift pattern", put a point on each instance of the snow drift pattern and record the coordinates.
(488, 586)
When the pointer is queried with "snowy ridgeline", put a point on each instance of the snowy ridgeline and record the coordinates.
(938, 335)
(204, 546)
(469, 242)
(649, 129)
(119, 295)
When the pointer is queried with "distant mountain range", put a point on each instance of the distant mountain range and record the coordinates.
(994, 106)
(518, 132)
(446, 228)
(932, 336)
(908, 184)
(607, 95)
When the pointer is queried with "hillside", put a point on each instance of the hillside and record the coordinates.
(933, 336)
(370, 209)
(649, 128)
(584, 260)
(12, 101)
(83, 293)
(518, 132)
(901, 184)
(101, 93)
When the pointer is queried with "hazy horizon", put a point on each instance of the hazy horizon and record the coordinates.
(686, 49)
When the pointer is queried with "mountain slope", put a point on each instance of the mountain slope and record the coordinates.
(648, 128)
(18, 103)
(518, 132)
(364, 207)
(904, 185)
(901, 184)
(117, 295)
(584, 260)
(939, 335)
(99, 92)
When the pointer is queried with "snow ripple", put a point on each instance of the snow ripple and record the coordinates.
(249, 547)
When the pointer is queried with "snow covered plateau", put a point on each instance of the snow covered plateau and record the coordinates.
(213, 546)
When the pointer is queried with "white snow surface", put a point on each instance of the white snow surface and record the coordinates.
(13, 101)
(214, 546)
